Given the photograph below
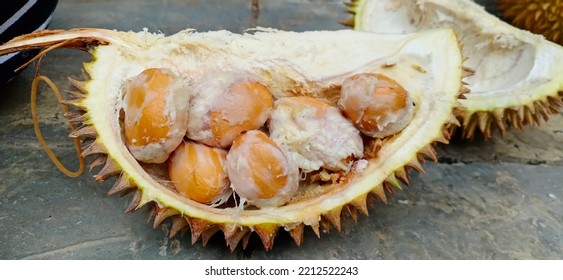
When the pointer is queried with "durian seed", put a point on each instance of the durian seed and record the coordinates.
(199, 172)
(315, 133)
(226, 106)
(260, 171)
(156, 112)
(376, 104)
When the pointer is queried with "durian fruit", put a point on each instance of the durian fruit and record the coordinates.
(518, 76)
(541, 17)
(427, 65)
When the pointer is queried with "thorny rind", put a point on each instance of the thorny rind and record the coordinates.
(203, 229)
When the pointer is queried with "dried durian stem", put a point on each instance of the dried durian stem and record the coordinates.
(39, 135)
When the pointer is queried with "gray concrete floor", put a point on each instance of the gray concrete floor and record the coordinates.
(496, 199)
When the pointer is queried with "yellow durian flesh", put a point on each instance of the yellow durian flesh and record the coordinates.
(288, 63)
(518, 78)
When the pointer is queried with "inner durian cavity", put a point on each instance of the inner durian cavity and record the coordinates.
(289, 64)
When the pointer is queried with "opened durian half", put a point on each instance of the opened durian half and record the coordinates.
(303, 162)
(518, 76)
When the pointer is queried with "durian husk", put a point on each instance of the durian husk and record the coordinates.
(388, 163)
(538, 16)
(487, 110)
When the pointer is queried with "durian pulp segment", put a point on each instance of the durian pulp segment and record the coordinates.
(287, 63)
(512, 67)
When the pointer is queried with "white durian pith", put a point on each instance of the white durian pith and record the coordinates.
(513, 67)
(428, 65)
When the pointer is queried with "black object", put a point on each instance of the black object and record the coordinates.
(19, 17)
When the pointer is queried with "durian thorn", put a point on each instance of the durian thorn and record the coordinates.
(93, 148)
(110, 169)
(121, 185)
(352, 212)
(415, 164)
(267, 232)
(235, 240)
(520, 111)
(74, 103)
(347, 22)
(379, 192)
(85, 75)
(39, 135)
(464, 90)
(233, 234)
(483, 120)
(392, 182)
(499, 121)
(297, 233)
(529, 115)
(544, 110)
(77, 85)
(469, 126)
(163, 214)
(246, 240)
(75, 117)
(446, 132)
(360, 203)
(442, 138)
(402, 175)
(207, 234)
(197, 227)
(467, 72)
(333, 216)
(315, 228)
(84, 132)
(230, 233)
(452, 119)
(179, 225)
(351, 10)
(429, 152)
(99, 161)
(75, 94)
(351, 4)
(152, 209)
(135, 201)
(325, 225)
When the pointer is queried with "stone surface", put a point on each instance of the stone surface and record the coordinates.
(496, 199)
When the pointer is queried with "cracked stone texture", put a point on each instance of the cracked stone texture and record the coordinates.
(495, 199)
